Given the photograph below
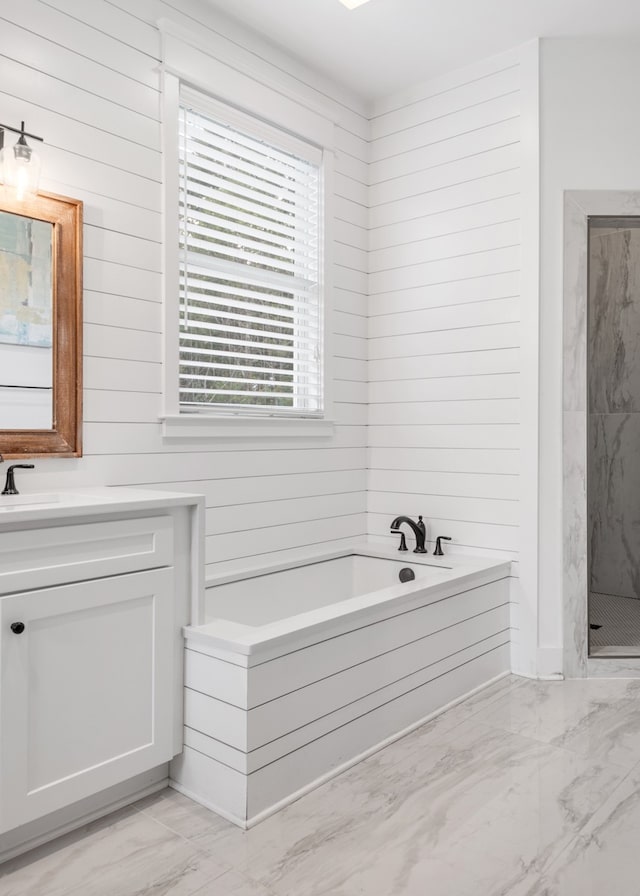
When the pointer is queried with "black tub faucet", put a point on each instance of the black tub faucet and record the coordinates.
(419, 531)
(10, 483)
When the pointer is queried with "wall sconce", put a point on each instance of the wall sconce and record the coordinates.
(19, 164)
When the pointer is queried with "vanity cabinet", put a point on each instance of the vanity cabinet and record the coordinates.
(91, 612)
(85, 689)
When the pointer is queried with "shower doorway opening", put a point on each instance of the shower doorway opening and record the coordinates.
(613, 436)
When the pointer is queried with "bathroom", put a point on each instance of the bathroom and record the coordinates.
(448, 340)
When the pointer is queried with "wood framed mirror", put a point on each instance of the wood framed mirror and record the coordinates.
(40, 326)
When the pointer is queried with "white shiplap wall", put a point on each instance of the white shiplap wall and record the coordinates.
(444, 327)
(426, 268)
(86, 76)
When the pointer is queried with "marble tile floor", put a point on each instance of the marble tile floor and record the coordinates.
(527, 789)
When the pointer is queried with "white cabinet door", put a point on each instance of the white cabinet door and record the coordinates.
(85, 689)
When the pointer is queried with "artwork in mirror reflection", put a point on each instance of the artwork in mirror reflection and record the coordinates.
(26, 329)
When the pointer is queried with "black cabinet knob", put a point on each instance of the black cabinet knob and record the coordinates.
(17, 627)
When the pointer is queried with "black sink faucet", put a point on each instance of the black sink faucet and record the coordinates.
(10, 484)
(418, 530)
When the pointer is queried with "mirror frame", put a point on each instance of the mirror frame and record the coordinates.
(64, 439)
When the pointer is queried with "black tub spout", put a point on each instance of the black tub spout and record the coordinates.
(418, 530)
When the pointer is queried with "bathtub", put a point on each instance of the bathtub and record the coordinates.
(300, 670)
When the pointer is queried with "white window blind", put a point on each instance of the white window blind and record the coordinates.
(250, 262)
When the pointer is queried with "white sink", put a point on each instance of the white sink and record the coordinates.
(11, 502)
(54, 499)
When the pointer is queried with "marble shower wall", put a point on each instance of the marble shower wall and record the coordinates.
(613, 373)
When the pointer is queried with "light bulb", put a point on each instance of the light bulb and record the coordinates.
(22, 182)
(21, 169)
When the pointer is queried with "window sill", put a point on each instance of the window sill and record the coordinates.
(202, 426)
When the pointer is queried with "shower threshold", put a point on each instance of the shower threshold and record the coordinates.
(628, 653)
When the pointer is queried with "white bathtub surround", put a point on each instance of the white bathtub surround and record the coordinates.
(273, 709)
(578, 206)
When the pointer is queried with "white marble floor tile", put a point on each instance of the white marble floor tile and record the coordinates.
(527, 789)
(357, 792)
(463, 838)
(503, 802)
(186, 818)
(595, 718)
(437, 731)
(489, 695)
(472, 707)
(233, 884)
(123, 855)
(602, 859)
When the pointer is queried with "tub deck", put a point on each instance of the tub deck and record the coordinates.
(225, 631)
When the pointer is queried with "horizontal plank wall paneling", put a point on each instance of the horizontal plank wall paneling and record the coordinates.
(86, 76)
(444, 309)
(425, 263)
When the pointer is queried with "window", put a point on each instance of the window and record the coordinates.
(250, 260)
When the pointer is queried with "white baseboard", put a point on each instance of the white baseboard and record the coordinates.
(549, 663)
(212, 807)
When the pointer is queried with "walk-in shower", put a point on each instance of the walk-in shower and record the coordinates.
(613, 436)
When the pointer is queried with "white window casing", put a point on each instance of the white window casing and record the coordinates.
(247, 302)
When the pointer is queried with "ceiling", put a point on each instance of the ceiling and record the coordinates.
(387, 45)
